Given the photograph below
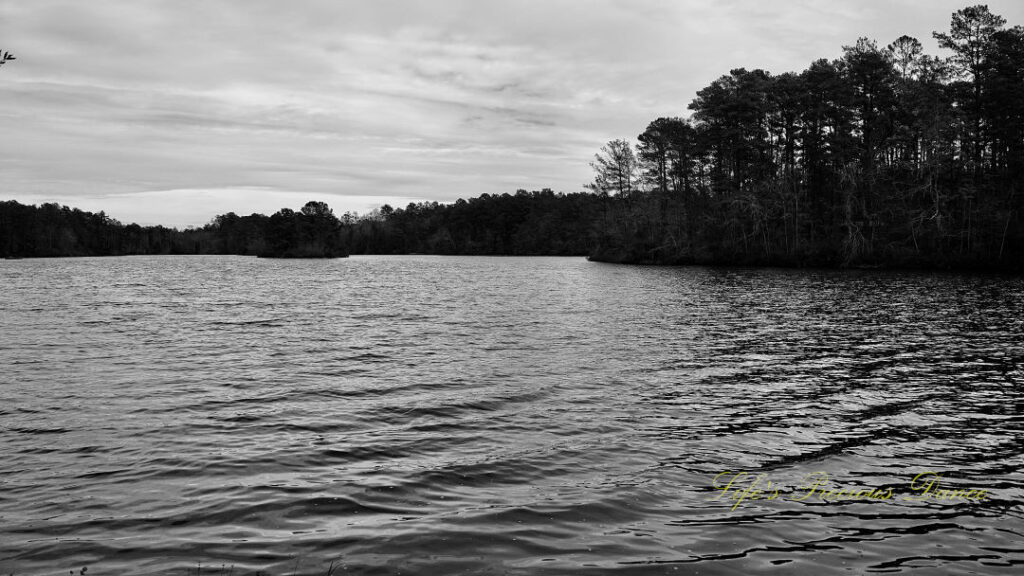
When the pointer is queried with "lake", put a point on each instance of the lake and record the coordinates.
(460, 415)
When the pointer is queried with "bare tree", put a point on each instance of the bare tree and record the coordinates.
(615, 169)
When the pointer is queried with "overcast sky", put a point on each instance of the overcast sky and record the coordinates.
(171, 112)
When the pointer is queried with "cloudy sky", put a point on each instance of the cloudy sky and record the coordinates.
(170, 112)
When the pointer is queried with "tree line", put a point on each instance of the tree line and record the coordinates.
(885, 156)
(525, 223)
(54, 230)
(536, 223)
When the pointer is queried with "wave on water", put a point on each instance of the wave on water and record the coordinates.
(414, 415)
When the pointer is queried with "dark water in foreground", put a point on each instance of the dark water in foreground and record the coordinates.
(423, 415)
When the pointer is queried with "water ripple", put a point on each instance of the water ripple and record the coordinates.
(427, 415)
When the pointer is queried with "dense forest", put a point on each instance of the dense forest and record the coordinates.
(885, 156)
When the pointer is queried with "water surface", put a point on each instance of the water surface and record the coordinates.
(443, 415)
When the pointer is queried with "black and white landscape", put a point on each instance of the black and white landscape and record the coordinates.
(511, 287)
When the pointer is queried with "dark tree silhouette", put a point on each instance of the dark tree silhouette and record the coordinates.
(885, 156)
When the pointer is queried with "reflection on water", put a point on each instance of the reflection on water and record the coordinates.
(505, 416)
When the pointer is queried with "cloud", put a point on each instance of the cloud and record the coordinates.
(116, 99)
